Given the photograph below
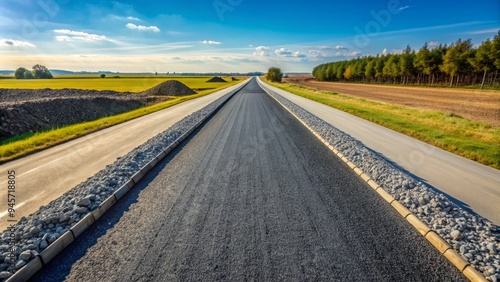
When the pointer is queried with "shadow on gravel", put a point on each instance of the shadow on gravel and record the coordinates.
(61, 265)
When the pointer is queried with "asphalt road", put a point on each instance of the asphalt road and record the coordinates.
(252, 196)
(470, 184)
(46, 175)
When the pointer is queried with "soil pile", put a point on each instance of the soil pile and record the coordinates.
(169, 88)
(27, 110)
(216, 79)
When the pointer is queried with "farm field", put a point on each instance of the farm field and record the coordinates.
(31, 142)
(472, 139)
(122, 84)
(476, 105)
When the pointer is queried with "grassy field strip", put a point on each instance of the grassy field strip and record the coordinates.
(122, 84)
(29, 143)
(473, 140)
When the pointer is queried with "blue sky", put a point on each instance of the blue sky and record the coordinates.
(228, 35)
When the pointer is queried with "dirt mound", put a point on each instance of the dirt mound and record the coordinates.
(216, 79)
(169, 88)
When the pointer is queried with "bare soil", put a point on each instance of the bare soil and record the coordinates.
(477, 105)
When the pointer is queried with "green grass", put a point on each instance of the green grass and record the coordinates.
(474, 140)
(126, 83)
(31, 142)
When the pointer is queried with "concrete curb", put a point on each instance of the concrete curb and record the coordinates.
(36, 264)
(437, 241)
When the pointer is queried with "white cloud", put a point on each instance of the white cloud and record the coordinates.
(354, 54)
(262, 51)
(298, 55)
(283, 52)
(152, 28)
(433, 44)
(72, 35)
(250, 45)
(211, 42)
(404, 8)
(339, 47)
(16, 43)
(262, 48)
(133, 19)
(393, 51)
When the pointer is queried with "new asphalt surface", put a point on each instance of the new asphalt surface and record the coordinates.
(253, 195)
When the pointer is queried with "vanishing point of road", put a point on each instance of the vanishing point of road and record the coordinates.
(253, 195)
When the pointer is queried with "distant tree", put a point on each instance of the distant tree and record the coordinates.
(495, 53)
(482, 60)
(370, 69)
(102, 75)
(406, 64)
(19, 74)
(456, 59)
(274, 74)
(379, 68)
(40, 71)
(348, 73)
(427, 61)
(28, 74)
(391, 67)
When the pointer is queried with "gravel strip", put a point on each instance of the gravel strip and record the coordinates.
(474, 237)
(31, 235)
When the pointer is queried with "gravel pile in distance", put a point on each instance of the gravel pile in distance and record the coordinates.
(34, 233)
(169, 88)
(473, 237)
(216, 79)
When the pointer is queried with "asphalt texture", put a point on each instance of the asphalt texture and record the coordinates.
(253, 195)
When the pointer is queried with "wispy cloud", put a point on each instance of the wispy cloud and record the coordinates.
(436, 27)
(404, 7)
(340, 47)
(316, 54)
(123, 18)
(133, 19)
(152, 28)
(16, 43)
(72, 35)
(485, 31)
(211, 42)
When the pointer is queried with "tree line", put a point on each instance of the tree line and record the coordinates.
(457, 64)
(38, 71)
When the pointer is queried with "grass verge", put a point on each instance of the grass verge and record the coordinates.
(473, 140)
(22, 145)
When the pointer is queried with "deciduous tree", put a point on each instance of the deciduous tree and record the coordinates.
(274, 74)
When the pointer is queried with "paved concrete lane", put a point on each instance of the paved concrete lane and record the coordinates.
(44, 176)
(472, 185)
(252, 196)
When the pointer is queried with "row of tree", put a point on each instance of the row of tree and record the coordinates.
(457, 64)
(38, 71)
